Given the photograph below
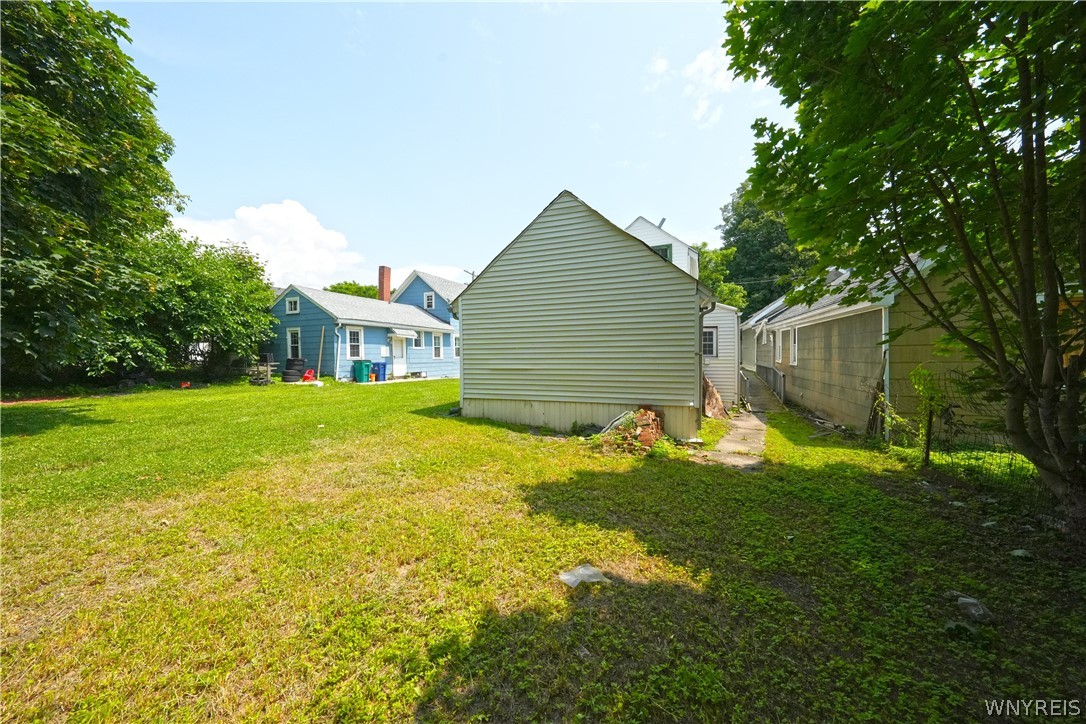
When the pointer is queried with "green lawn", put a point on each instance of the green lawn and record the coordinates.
(350, 553)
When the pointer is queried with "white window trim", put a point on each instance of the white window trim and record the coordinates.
(765, 335)
(793, 349)
(716, 348)
(361, 342)
(297, 305)
(456, 346)
(438, 339)
(428, 300)
(299, 331)
(416, 343)
(778, 344)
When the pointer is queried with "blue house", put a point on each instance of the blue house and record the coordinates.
(414, 333)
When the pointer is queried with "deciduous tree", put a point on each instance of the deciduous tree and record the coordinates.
(949, 134)
(354, 289)
(765, 262)
(84, 179)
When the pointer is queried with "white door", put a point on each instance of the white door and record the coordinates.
(399, 359)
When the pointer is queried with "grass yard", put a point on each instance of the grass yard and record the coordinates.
(350, 553)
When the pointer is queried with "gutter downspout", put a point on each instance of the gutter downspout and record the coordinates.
(886, 366)
(335, 375)
(701, 358)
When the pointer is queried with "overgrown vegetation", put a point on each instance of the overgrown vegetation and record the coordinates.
(350, 552)
(949, 135)
(95, 279)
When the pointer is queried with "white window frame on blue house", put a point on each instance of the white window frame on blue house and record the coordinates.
(456, 346)
(293, 305)
(428, 300)
(416, 343)
(361, 346)
(439, 339)
(294, 346)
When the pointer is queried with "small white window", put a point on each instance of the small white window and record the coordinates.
(428, 300)
(793, 350)
(417, 341)
(354, 344)
(778, 340)
(438, 341)
(292, 305)
(456, 346)
(708, 342)
(765, 337)
(294, 343)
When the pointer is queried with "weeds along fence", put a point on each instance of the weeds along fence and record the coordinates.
(962, 433)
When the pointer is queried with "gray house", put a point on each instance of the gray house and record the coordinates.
(577, 320)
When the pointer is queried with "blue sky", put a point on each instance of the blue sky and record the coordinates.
(334, 138)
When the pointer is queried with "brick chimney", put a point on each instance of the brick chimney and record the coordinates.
(384, 283)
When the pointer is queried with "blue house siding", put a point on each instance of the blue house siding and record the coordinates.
(422, 360)
(309, 320)
(414, 295)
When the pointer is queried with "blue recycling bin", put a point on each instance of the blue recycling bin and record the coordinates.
(381, 369)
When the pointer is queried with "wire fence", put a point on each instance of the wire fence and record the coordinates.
(962, 434)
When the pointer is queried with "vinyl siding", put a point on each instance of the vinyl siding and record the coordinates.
(414, 295)
(309, 319)
(576, 311)
(750, 349)
(723, 369)
(422, 360)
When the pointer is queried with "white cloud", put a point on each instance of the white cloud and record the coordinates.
(658, 68)
(289, 239)
(707, 78)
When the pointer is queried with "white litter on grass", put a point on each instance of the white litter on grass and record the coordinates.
(582, 574)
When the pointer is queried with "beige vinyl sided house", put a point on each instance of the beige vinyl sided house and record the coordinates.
(578, 320)
(834, 359)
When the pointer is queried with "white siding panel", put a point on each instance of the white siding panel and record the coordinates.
(574, 311)
(723, 370)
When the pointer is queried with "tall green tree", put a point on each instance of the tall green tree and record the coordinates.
(354, 289)
(192, 303)
(714, 270)
(84, 179)
(949, 134)
(765, 261)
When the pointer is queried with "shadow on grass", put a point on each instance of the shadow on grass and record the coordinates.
(441, 412)
(34, 418)
(627, 649)
(814, 595)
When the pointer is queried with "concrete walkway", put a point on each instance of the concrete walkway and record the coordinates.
(744, 444)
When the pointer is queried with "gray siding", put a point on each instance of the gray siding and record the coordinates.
(576, 311)
(838, 367)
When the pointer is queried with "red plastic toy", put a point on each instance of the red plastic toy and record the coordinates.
(308, 376)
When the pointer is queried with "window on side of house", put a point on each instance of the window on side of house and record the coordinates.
(292, 305)
(793, 349)
(428, 300)
(294, 343)
(708, 342)
(439, 339)
(663, 250)
(777, 348)
(417, 341)
(456, 346)
(354, 344)
(765, 335)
